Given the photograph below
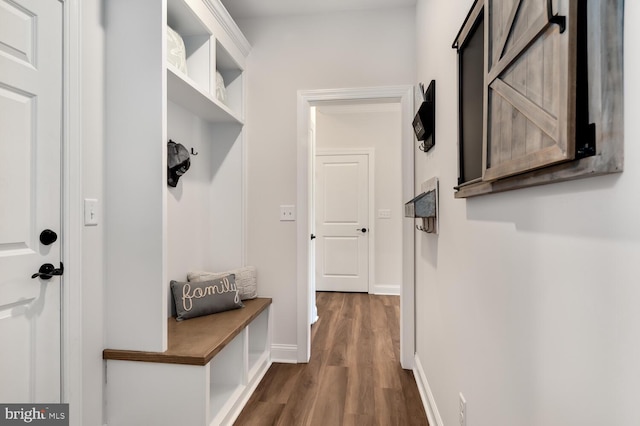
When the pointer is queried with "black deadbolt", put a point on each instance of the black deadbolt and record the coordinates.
(48, 237)
(363, 230)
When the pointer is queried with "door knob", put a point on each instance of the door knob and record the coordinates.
(48, 271)
(363, 230)
(313, 237)
(48, 237)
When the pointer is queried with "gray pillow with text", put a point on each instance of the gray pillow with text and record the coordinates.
(195, 299)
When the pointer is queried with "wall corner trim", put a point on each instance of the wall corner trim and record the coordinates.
(428, 401)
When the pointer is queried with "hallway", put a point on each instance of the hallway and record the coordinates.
(354, 375)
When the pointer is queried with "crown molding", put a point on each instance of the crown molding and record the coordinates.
(229, 25)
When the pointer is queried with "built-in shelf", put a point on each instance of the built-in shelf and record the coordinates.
(159, 371)
(258, 338)
(256, 361)
(199, 42)
(186, 93)
(183, 19)
(232, 73)
(196, 341)
(226, 383)
(221, 397)
(211, 359)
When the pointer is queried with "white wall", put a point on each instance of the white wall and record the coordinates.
(527, 301)
(350, 49)
(92, 39)
(374, 126)
(204, 210)
(188, 231)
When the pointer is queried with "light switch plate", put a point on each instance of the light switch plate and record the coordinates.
(90, 212)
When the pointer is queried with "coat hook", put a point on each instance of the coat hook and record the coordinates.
(193, 152)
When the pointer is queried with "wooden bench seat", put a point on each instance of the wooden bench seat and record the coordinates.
(196, 341)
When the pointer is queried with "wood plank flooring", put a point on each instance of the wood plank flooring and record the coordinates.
(354, 375)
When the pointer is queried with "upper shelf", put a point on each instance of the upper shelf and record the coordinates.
(184, 92)
(182, 18)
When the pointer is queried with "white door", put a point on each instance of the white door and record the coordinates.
(30, 174)
(312, 244)
(342, 223)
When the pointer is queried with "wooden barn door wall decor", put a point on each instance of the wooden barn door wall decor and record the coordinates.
(546, 76)
(530, 85)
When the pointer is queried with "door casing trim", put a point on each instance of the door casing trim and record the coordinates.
(72, 214)
(307, 99)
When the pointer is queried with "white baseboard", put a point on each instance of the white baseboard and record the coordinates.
(433, 415)
(386, 289)
(284, 353)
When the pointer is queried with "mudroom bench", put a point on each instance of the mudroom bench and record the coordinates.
(207, 374)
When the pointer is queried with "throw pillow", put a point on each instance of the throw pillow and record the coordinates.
(195, 299)
(246, 280)
(176, 52)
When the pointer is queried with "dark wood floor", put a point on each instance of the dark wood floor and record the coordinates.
(354, 375)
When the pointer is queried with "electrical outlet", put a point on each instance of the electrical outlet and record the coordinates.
(287, 213)
(384, 214)
(462, 411)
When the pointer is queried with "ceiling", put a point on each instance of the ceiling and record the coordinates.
(256, 8)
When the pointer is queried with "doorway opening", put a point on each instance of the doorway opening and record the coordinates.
(309, 104)
(343, 204)
(358, 197)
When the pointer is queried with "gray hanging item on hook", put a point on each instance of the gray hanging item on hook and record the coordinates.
(178, 162)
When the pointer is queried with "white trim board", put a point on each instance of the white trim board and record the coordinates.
(428, 401)
(306, 100)
(386, 289)
(71, 324)
(287, 354)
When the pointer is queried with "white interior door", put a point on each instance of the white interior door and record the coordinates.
(312, 241)
(30, 179)
(342, 223)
